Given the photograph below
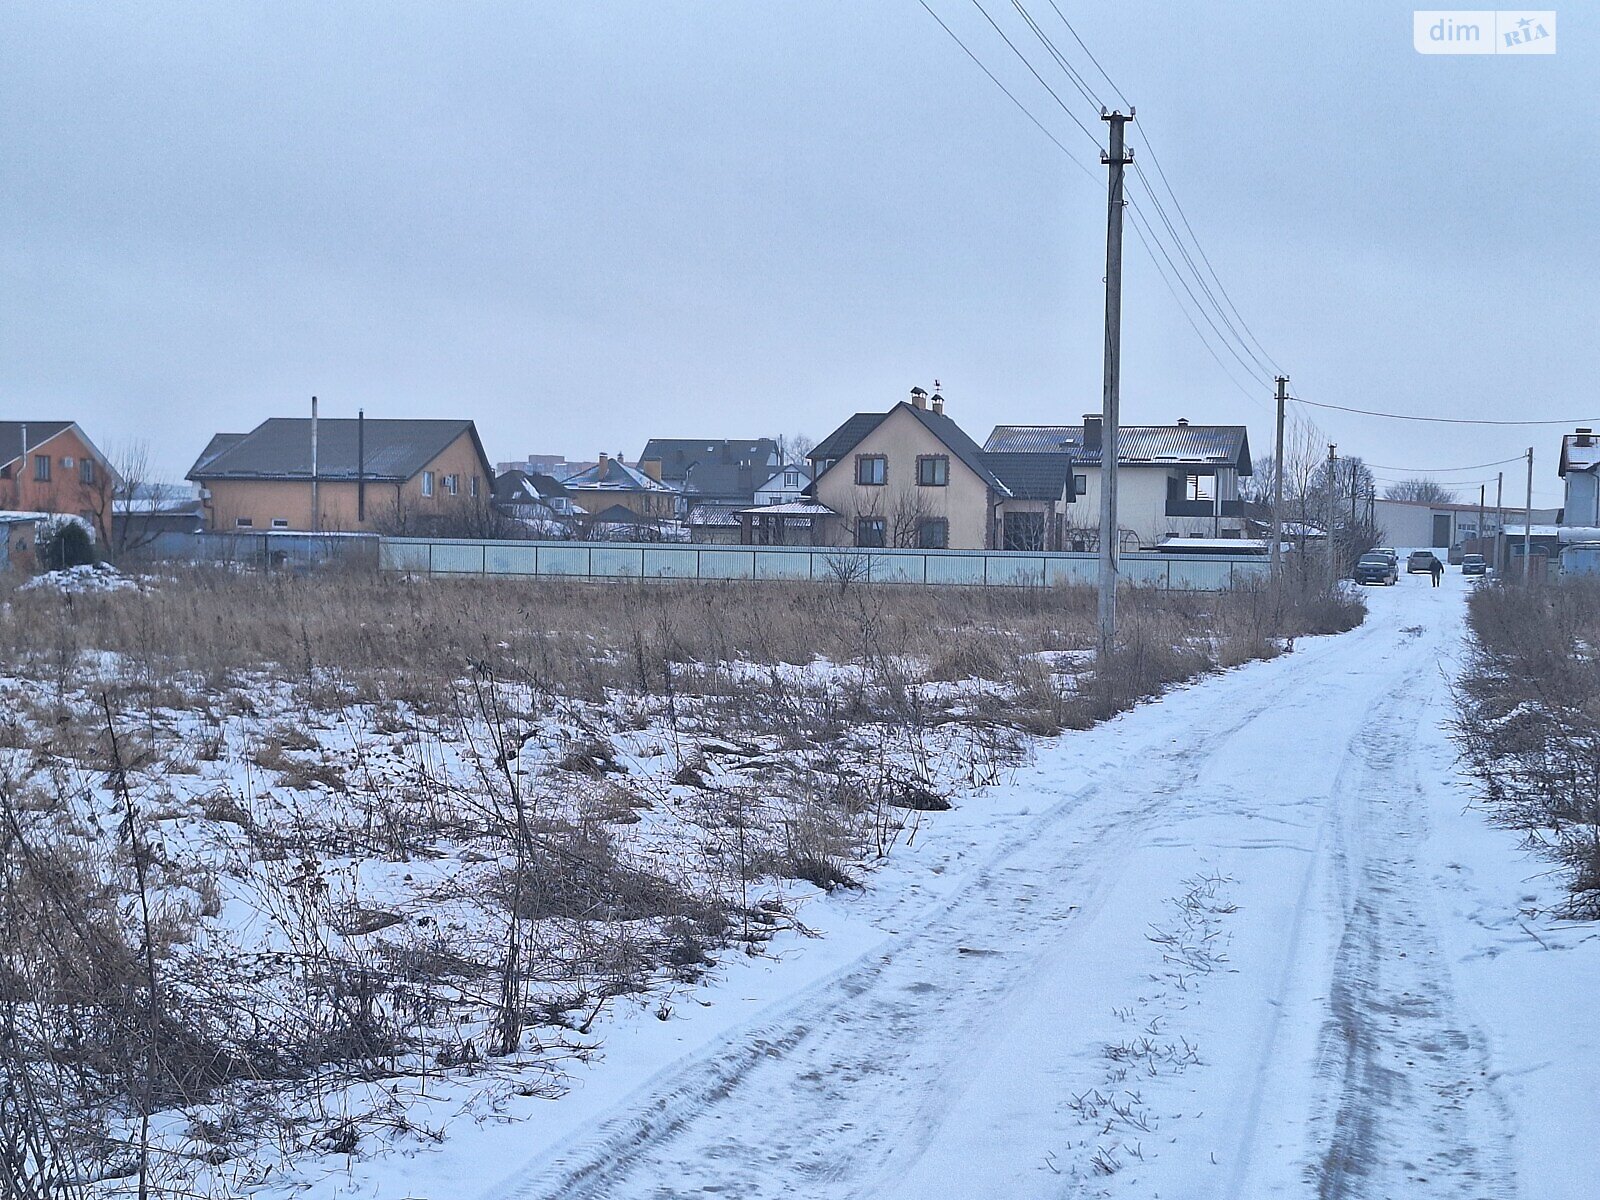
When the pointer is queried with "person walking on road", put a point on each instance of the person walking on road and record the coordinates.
(1436, 570)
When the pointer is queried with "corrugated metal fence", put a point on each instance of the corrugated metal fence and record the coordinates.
(991, 568)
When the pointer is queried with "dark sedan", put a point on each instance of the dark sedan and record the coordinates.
(1377, 568)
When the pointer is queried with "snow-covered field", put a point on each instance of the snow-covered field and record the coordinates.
(1254, 939)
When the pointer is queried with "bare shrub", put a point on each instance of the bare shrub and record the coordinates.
(1529, 722)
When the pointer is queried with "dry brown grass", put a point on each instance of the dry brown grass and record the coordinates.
(359, 636)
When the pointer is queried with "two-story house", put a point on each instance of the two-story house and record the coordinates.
(53, 467)
(1172, 480)
(1580, 472)
(343, 475)
(911, 477)
(614, 492)
(715, 471)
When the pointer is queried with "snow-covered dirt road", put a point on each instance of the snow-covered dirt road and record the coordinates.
(1247, 941)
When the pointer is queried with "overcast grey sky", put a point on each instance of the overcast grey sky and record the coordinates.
(584, 225)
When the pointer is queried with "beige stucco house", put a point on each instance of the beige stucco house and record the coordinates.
(912, 478)
(395, 476)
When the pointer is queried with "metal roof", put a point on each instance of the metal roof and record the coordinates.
(39, 432)
(613, 475)
(280, 448)
(1033, 476)
(1175, 445)
(849, 435)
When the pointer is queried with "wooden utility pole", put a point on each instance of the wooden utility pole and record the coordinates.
(1116, 159)
(1527, 526)
(1277, 482)
(1333, 574)
(1482, 495)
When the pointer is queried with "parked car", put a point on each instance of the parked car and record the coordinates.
(1377, 567)
(1474, 564)
(1420, 562)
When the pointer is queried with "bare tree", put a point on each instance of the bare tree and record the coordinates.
(1421, 489)
(793, 447)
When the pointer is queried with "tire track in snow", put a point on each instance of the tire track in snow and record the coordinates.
(1413, 1109)
(784, 1128)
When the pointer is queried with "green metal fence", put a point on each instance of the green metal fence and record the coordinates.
(980, 568)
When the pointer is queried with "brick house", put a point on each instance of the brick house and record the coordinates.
(393, 476)
(52, 466)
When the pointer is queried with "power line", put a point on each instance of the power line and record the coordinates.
(1204, 341)
(1078, 82)
(1499, 462)
(1021, 107)
(978, 4)
(1264, 367)
(1090, 53)
(1367, 412)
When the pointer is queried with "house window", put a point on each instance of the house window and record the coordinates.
(280, 522)
(933, 533)
(791, 479)
(825, 464)
(452, 483)
(933, 470)
(872, 470)
(41, 468)
(427, 483)
(244, 522)
(870, 531)
(1199, 487)
(1080, 485)
(86, 470)
(474, 487)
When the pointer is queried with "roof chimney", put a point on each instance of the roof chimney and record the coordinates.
(938, 403)
(601, 462)
(919, 398)
(1183, 422)
(1585, 436)
(1091, 432)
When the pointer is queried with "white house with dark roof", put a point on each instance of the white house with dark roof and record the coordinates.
(1172, 480)
(1580, 471)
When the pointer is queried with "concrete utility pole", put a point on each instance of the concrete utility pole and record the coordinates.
(316, 508)
(1527, 526)
(1482, 496)
(1333, 574)
(1116, 159)
(1277, 482)
(1499, 519)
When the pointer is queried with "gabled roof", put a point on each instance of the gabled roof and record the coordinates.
(677, 455)
(849, 435)
(1575, 457)
(39, 432)
(218, 443)
(1033, 476)
(525, 487)
(280, 448)
(613, 475)
(803, 468)
(1156, 445)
